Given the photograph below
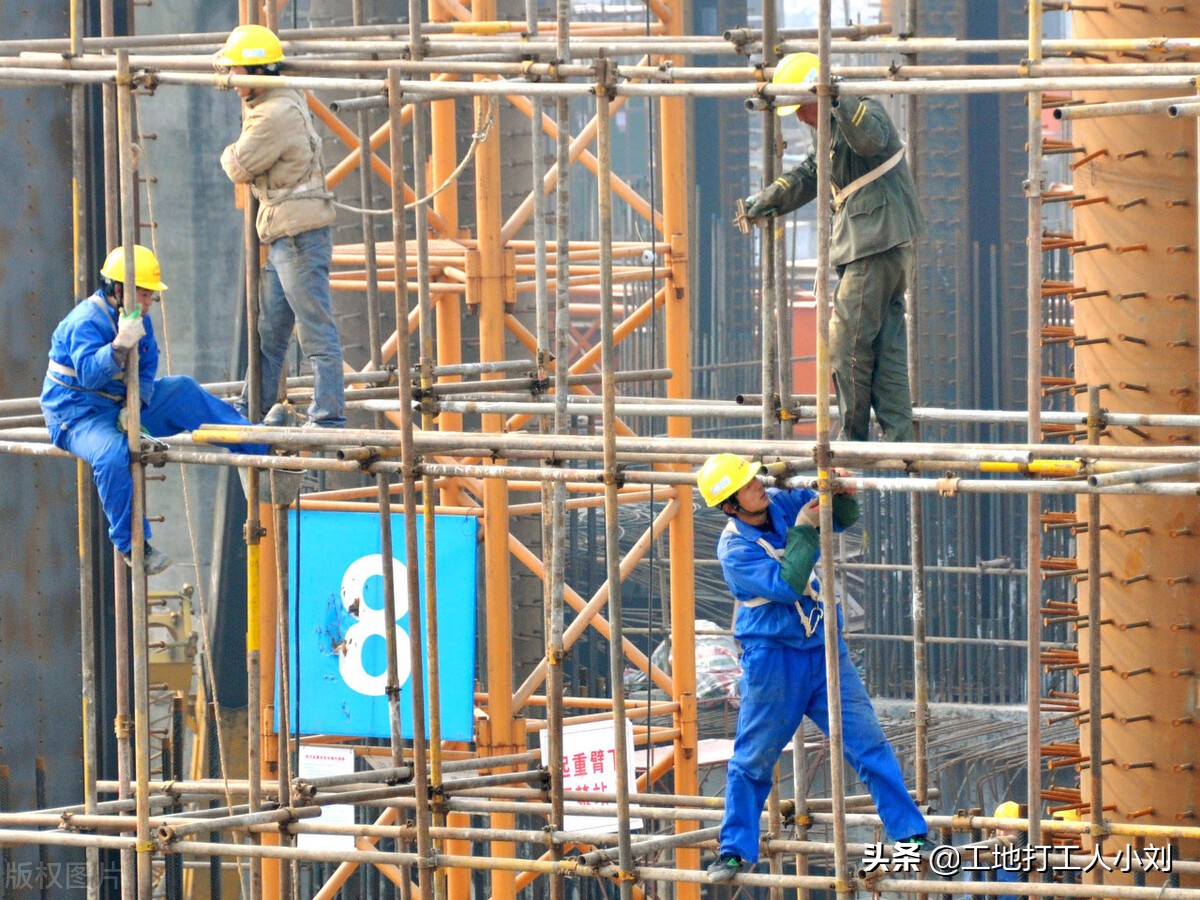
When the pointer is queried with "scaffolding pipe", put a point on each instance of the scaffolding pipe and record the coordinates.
(1141, 476)
(403, 363)
(1033, 376)
(837, 783)
(137, 557)
(608, 366)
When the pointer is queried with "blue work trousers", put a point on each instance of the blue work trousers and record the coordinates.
(780, 686)
(295, 292)
(178, 404)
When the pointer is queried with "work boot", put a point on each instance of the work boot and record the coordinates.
(154, 561)
(287, 483)
(281, 415)
(725, 867)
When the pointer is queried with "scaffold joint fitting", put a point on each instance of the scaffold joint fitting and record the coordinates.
(122, 726)
(948, 486)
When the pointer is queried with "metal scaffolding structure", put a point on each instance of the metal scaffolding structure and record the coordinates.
(457, 435)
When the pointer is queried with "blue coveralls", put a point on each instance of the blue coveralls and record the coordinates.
(783, 680)
(84, 390)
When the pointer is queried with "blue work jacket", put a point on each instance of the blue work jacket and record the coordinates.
(751, 572)
(83, 377)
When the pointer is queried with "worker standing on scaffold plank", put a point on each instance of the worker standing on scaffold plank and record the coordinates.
(767, 552)
(83, 395)
(279, 155)
(876, 217)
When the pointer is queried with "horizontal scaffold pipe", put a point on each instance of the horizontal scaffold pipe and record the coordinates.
(378, 59)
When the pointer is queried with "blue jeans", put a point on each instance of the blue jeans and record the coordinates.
(178, 404)
(780, 686)
(295, 292)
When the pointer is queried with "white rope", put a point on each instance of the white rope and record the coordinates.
(208, 675)
(482, 130)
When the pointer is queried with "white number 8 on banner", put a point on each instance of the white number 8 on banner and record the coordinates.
(371, 623)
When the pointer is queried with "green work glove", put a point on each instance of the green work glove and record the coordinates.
(130, 330)
(767, 201)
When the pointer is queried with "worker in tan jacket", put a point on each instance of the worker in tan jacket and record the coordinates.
(279, 155)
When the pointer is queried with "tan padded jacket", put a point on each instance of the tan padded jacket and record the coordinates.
(279, 155)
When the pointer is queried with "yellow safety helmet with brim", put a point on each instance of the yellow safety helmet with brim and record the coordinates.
(146, 270)
(249, 45)
(723, 475)
(1009, 809)
(798, 69)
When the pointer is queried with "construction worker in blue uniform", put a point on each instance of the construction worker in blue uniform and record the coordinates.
(83, 395)
(767, 552)
(876, 218)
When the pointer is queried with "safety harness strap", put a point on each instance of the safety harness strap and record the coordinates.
(810, 622)
(841, 196)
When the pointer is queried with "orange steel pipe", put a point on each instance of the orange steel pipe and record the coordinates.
(377, 165)
(448, 320)
(585, 137)
(655, 772)
(620, 187)
(351, 162)
(342, 873)
(498, 624)
(589, 359)
(448, 311)
(677, 184)
(267, 615)
(590, 611)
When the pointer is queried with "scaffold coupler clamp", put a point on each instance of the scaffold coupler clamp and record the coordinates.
(947, 485)
(739, 220)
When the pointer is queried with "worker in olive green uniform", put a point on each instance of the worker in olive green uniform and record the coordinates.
(876, 218)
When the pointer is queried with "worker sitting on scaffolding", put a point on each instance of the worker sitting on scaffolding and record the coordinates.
(279, 155)
(876, 217)
(768, 551)
(83, 395)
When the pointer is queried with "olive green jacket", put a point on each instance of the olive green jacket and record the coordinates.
(880, 215)
(279, 155)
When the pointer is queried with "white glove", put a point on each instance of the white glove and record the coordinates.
(130, 330)
(123, 420)
(810, 514)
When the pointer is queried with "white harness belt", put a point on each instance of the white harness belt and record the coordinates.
(841, 196)
(810, 622)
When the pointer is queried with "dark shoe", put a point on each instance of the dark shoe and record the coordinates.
(726, 867)
(281, 415)
(154, 561)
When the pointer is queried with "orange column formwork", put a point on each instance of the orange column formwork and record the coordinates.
(1141, 340)
(677, 185)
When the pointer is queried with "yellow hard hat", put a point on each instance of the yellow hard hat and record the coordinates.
(250, 45)
(146, 270)
(1007, 810)
(795, 68)
(723, 475)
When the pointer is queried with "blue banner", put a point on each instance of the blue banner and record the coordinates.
(338, 644)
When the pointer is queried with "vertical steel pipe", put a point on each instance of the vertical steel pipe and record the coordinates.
(253, 531)
(426, 365)
(1095, 700)
(837, 781)
(408, 454)
(554, 495)
(83, 476)
(916, 515)
(605, 77)
(137, 555)
(768, 312)
(1033, 396)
